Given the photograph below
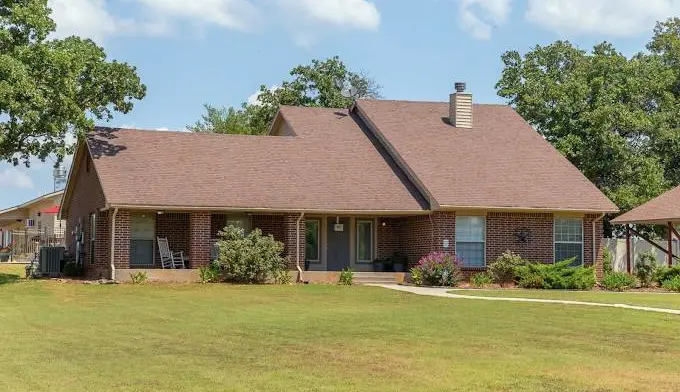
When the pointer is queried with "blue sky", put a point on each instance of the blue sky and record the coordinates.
(220, 51)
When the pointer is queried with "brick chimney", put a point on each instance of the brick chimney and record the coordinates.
(460, 107)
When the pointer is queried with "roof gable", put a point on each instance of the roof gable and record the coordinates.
(501, 162)
(662, 209)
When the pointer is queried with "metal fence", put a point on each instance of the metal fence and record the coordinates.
(25, 243)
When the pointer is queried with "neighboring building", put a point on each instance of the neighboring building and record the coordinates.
(37, 218)
(663, 210)
(339, 188)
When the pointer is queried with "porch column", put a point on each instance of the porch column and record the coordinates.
(628, 248)
(670, 244)
(121, 240)
(199, 239)
(291, 240)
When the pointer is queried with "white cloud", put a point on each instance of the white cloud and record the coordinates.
(480, 17)
(95, 18)
(597, 17)
(13, 178)
(87, 18)
(360, 14)
(232, 14)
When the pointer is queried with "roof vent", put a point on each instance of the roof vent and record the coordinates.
(460, 107)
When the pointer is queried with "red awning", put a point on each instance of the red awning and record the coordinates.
(51, 210)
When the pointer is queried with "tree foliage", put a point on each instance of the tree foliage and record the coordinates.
(323, 83)
(615, 117)
(49, 87)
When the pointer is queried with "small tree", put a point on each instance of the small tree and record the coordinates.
(503, 270)
(645, 268)
(249, 258)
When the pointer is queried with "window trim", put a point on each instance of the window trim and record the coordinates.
(356, 245)
(582, 242)
(455, 241)
(318, 241)
(30, 223)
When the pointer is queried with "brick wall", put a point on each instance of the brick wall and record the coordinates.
(87, 197)
(443, 228)
(502, 229)
(270, 224)
(199, 239)
(217, 223)
(122, 240)
(290, 239)
(388, 236)
(102, 247)
(175, 227)
(416, 237)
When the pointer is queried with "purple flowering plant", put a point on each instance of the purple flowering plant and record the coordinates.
(437, 269)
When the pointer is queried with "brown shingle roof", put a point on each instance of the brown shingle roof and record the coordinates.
(341, 171)
(501, 162)
(662, 209)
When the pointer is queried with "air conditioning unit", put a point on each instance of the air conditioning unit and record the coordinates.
(50, 260)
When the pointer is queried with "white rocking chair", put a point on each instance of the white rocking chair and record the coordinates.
(169, 259)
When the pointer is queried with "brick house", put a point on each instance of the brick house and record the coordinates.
(339, 188)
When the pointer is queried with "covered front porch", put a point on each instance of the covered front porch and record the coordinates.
(319, 245)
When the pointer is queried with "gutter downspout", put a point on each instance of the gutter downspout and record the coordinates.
(297, 246)
(594, 250)
(113, 242)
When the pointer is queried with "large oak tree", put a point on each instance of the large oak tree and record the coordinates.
(617, 118)
(52, 87)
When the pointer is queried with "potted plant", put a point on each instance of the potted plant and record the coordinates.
(379, 265)
(399, 261)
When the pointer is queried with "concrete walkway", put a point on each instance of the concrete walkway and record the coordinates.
(443, 292)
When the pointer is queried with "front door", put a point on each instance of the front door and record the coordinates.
(142, 237)
(338, 244)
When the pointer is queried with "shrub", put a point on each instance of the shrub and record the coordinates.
(437, 269)
(618, 281)
(555, 276)
(139, 277)
(481, 279)
(503, 270)
(346, 276)
(607, 261)
(209, 273)
(416, 276)
(283, 277)
(71, 269)
(645, 269)
(249, 258)
(664, 273)
(672, 284)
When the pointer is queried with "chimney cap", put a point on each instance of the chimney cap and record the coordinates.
(460, 87)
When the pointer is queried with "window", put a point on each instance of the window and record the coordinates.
(471, 240)
(240, 221)
(364, 241)
(93, 235)
(30, 222)
(312, 239)
(569, 240)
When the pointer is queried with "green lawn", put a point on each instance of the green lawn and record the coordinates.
(657, 300)
(65, 337)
